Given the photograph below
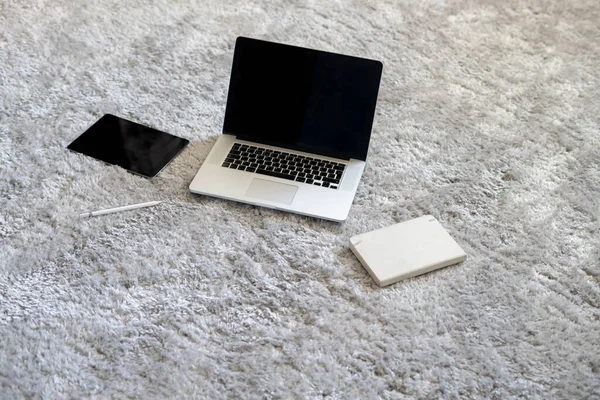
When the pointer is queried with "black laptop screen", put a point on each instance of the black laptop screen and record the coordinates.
(302, 99)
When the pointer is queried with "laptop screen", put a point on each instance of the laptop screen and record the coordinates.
(302, 99)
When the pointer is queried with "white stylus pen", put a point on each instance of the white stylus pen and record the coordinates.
(119, 209)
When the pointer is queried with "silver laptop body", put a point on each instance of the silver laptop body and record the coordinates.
(296, 131)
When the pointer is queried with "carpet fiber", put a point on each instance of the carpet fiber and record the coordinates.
(488, 119)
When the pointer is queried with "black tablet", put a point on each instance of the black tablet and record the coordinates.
(137, 148)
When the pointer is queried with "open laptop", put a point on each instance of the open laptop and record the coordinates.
(296, 131)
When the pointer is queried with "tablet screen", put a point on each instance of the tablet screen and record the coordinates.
(137, 148)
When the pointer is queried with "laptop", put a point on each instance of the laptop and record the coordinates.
(296, 130)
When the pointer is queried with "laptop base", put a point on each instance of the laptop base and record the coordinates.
(268, 191)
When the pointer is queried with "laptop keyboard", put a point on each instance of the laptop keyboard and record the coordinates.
(284, 165)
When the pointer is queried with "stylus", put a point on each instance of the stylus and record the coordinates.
(119, 209)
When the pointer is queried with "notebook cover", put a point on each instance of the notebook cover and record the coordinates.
(406, 249)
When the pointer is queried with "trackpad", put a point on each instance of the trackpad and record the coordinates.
(272, 191)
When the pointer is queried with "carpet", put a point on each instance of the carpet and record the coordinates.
(488, 119)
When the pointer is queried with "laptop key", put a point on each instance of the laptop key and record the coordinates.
(329, 180)
(325, 184)
(275, 174)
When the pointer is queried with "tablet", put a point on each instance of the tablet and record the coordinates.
(135, 147)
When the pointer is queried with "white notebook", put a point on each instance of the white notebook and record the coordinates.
(406, 249)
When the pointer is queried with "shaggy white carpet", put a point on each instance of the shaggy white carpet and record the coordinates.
(487, 119)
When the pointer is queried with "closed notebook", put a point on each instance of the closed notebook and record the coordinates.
(406, 249)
